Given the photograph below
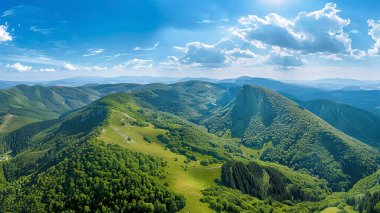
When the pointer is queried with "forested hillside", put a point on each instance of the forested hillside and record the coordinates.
(264, 180)
(82, 173)
(143, 148)
(297, 138)
(360, 124)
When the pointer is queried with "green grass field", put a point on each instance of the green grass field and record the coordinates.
(187, 179)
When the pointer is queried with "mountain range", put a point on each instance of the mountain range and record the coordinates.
(237, 145)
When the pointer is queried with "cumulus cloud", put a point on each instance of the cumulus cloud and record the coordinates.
(313, 32)
(374, 32)
(136, 64)
(284, 59)
(70, 67)
(225, 52)
(205, 55)
(171, 62)
(19, 67)
(4, 35)
(92, 52)
(239, 53)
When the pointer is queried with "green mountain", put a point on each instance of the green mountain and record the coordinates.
(189, 147)
(80, 172)
(23, 104)
(126, 152)
(355, 122)
(290, 135)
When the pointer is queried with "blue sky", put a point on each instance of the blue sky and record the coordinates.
(281, 39)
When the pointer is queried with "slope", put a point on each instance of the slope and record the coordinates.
(23, 104)
(353, 121)
(121, 153)
(299, 139)
(63, 167)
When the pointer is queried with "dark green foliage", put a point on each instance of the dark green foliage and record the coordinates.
(64, 169)
(163, 138)
(83, 121)
(20, 138)
(147, 139)
(97, 177)
(300, 140)
(35, 149)
(222, 199)
(355, 122)
(279, 183)
(370, 203)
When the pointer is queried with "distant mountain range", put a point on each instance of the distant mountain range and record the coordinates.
(322, 84)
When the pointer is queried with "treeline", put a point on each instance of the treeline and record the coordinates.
(222, 199)
(264, 181)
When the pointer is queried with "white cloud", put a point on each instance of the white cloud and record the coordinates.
(358, 54)
(19, 67)
(284, 59)
(209, 21)
(332, 57)
(354, 31)
(115, 56)
(239, 53)
(321, 31)
(171, 62)
(157, 44)
(7, 13)
(45, 31)
(47, 70)
(94, 68)
(374, 32)
(205, 21)
(70, 67)
(225, 52)
(92, 52)
(4, 35)
(136, 64)
(205, 55)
